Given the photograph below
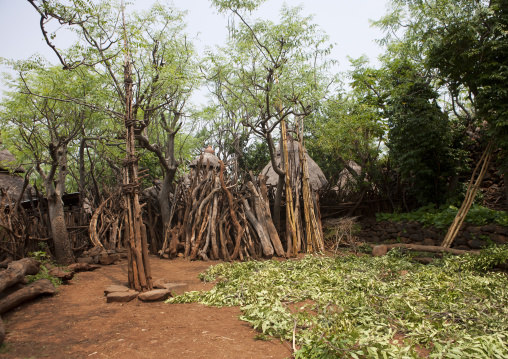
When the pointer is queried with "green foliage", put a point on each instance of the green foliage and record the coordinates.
(463, 43)
(268, 71)
(42, 257)
(420, 140)
(442, 217)
(487, 259)
(255, 157)
(358, 304)
(364, 248)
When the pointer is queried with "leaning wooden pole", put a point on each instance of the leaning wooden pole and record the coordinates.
(313, 233)
(290, 216)
(470, 195)
(140, 277)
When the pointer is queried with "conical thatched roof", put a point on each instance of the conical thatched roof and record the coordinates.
(12, 184)
(346, 177)
(316, 176)
(8, 162)
(208, 156)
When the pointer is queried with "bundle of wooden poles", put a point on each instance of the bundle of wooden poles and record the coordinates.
(217, 219)
(220, 219)
(215, 216)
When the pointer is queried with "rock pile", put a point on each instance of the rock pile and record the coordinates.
(99, 255)
(469, 236)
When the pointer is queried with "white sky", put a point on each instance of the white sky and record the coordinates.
(345, 21)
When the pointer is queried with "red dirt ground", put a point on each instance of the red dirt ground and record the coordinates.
(78, 323)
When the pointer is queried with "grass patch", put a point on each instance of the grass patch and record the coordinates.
(361, 304)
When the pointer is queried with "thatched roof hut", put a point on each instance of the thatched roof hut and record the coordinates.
(317, 178)
(8, 162)
(346, 178)
(10, 180)
(208, 156)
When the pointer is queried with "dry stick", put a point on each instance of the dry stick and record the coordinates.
(259, 229)
(197, 219)
(249, 241)
(113, 235)
(296, 210)
(146, 260)
(225, 254)
(298, 217)
(202, 252)
(213, 228)
(94, 237)
(239, 229)
(130, 268)
(194, 251)
(470, 194)
(316, 235)
(195, 214)
(274, 236)
(172, 212)
(310, 234)
(264, 219)
(318, 212)
(132, 259)
(290, 219)
(183, 232)
(141, 242)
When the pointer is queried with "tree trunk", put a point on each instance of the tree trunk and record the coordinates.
(63, 248)
(165, 206)
(55, 189)
(41, 286)
(16, 272)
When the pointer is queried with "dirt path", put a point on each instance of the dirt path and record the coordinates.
(78, 323)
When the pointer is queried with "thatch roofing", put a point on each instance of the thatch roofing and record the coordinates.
(208, 156)
(8, 162)
(346, 177)
(12, 184)
(317, 178)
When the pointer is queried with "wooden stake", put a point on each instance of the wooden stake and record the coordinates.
(470, 195)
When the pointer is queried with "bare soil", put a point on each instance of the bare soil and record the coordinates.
(78, 323)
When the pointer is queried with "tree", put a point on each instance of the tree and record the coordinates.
(271, 72)
(420, 136)
(134, 59)
(465, 43)
(43, 129)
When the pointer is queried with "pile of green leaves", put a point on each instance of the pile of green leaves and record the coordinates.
(357, 306)
(42, 257)
(443, 216)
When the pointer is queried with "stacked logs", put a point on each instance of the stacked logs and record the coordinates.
(217, 219)
(13, 288)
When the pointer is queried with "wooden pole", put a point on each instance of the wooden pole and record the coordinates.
(290, 216)
(470, 195)
(139, 269)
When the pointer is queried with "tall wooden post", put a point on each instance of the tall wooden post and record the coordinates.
(139, 272)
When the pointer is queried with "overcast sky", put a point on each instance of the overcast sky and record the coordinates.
(345, 21)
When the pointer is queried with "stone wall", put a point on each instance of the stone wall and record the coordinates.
(469, 236)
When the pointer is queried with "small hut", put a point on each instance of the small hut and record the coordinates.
(317, 178)
(11, 181)
(347, 180)
(207, 157)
